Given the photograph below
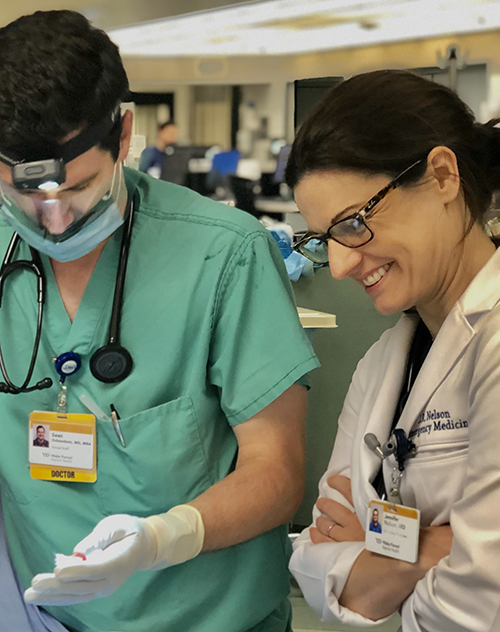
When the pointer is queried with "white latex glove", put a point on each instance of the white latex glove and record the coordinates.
(119, 546)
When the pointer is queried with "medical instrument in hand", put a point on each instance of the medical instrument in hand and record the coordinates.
(119, 546)
(110, 363)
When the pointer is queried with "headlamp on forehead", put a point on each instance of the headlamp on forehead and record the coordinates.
(51, 173)
(42, 174)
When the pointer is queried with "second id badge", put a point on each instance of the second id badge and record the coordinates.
(393, 530)
(62, 447)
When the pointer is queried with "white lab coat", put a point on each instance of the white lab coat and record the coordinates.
(453, 415)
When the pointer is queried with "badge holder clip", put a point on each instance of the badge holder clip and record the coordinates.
(66, 364)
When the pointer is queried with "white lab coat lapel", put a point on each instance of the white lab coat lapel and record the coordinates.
(480, 297)
(449, 345)
(378, 411)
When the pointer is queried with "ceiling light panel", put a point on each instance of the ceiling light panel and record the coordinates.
(284, 27)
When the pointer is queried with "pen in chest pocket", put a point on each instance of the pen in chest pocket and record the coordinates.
(114, 420)
(100, 414)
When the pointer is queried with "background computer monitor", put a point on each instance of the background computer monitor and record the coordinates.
(176, 166)
(279, 174)
(308, 93)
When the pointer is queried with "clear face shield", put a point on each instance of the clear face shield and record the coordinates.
(58, 214)
(65, 222)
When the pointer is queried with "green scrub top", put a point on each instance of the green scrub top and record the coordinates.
(209, 319)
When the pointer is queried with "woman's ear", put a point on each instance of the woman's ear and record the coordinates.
(443, 167)
(126, 135)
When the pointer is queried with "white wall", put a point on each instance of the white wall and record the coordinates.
(271, 103)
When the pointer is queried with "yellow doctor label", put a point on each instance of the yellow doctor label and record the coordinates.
(62, 447)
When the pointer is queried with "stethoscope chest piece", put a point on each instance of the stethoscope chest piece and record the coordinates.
(111, 363)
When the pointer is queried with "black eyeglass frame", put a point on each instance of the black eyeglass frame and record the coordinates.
(361, 216)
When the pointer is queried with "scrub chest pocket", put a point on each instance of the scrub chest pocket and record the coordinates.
(162, 465)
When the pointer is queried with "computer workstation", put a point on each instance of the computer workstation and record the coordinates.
(258, 192)
(280, 203)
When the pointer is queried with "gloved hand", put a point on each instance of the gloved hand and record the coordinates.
(119, 546)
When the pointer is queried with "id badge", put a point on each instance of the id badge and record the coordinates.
(393, 530)
(62, 447)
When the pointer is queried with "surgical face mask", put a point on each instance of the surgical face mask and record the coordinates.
(66, 225)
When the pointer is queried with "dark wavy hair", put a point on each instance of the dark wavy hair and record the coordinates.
(58, 74)
(384, 121)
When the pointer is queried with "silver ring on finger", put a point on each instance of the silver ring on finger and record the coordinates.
(328, 530)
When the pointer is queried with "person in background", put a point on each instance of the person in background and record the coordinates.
(394, 177)
(153, 157)
(197, 408)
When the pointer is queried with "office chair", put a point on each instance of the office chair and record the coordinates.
(224, 164)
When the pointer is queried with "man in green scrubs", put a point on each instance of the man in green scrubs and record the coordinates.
(191, 506)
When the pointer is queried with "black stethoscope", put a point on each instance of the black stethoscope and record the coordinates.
(110, 363)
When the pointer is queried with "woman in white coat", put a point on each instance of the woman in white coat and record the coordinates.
(419, 245)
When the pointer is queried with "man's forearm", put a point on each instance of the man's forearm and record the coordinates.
(267, 484)
(251, 500)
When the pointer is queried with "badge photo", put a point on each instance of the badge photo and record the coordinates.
(392, 530)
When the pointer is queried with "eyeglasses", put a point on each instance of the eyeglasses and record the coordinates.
(352, 231)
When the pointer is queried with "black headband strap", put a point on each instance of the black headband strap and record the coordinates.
(9, 161)
(85, 140)
(88, 137)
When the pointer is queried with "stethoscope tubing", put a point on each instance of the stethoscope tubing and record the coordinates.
(35, 266)
(114, 324)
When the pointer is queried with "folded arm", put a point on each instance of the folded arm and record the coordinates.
(377, 585)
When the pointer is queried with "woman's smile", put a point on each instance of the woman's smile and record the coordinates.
(413, 259)
(374, 277)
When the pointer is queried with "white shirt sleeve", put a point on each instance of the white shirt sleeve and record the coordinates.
(321, 570)
(462, 593)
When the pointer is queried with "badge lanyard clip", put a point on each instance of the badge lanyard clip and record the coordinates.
(66, 364)
(402, 448)
(62, 398)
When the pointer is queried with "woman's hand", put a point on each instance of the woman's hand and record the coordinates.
(336, 522)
